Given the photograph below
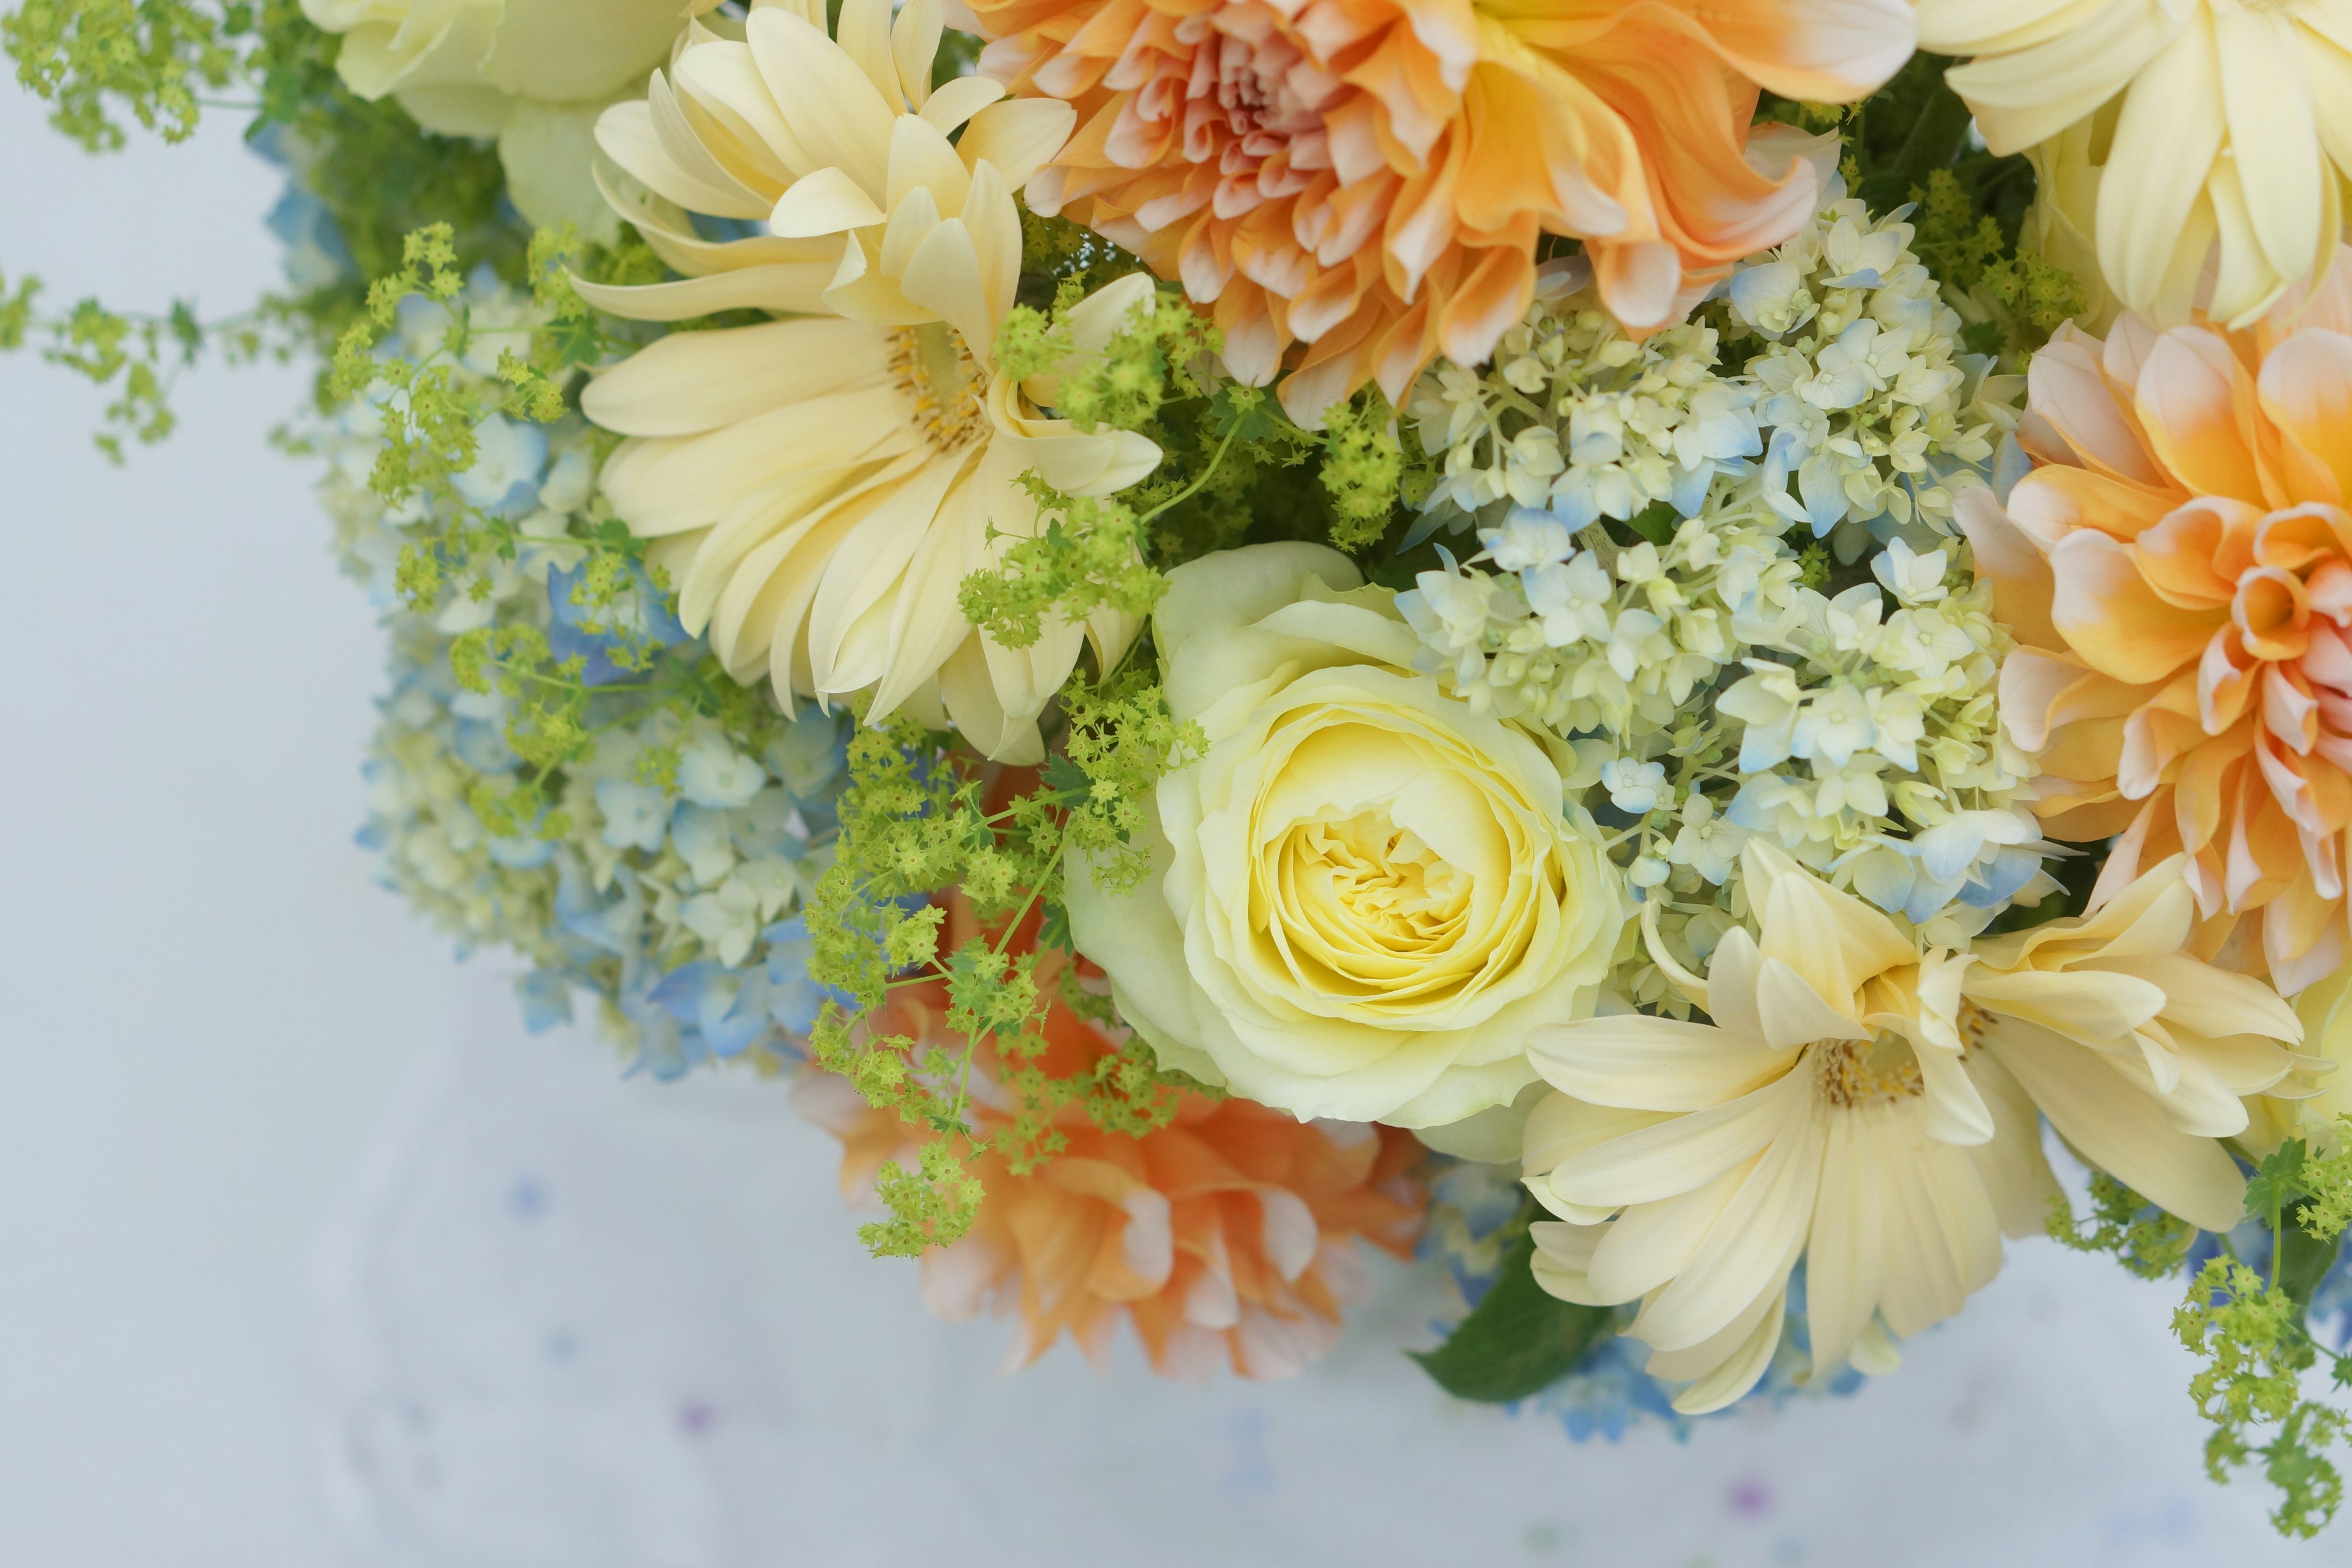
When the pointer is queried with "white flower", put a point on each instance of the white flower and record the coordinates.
(820, 485)
(533, 73)
(1525, 539)
(1911, 577)
(1365, 893)
(1823, 1115)
(507, 457)
(1635, 787)
(635, 817)
(1574, 597)
(712, 774)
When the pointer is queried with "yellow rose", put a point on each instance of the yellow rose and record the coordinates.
(533, 73)
(1363, 895)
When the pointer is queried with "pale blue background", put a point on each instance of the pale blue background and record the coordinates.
(308, 1256)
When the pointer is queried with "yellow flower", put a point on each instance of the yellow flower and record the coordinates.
(2141, 1053)
(1823, 1115)
(1364, 895)
(2235, 124)
(820, 486)
(533, 73)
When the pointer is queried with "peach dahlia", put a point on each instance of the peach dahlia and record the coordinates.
(2178, 568)
(1366, 179)
(1227, 1238)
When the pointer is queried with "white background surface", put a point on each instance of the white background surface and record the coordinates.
(309, 1256)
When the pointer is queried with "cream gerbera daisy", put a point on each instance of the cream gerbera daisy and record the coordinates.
(2235, 124)
(820, 485)
(2140, 1055)
(1823, 1115)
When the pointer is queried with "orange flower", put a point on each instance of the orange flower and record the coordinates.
(1368, 177)
(2177, 569)
(1227, 1234)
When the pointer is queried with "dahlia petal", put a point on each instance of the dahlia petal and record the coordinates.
(2066, 387)
(1822, 51)
(2305, 387)
(2110, 616)
(2188, 404)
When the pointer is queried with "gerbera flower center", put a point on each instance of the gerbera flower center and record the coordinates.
(945, 387)
(1859, 1073)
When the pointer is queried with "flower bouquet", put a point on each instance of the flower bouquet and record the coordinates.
(1640, 653)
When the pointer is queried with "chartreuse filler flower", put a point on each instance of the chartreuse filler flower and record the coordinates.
(1242, 638)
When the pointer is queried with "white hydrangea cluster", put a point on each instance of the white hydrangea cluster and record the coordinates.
(1580, 635)
(1577, 419)
(1908, 788)
(661, 878)
(1713, 682)
(1868, 406)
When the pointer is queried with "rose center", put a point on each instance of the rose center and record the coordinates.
(945, 388)
(1381, 879)
(1858, 1073)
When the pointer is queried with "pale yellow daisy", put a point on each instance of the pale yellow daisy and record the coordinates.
(2235, 125)
(1821, 1115)
(820, 485)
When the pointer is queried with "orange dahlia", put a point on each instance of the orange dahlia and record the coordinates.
(1368, 177)
(1226, 1236)
(2177, 569)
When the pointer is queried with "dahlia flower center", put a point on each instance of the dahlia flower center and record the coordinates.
(946, 389)
(2273, 613)
(1855, 1073)
(1365, 881)
(1240, 94)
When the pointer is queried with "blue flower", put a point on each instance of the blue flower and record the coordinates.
(635, 817)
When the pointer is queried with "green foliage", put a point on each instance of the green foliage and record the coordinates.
(431, 406)
(2013, 298)
(151, 58)
(156, 59)
(2144, 1238)
(1519, 1339)
(915, 821)
(2327, 1179)
(1363, 468)
(2251, 1335)
(1057, 254)
(137, 358)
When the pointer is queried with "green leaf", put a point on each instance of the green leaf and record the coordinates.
(1656, 522)
(2303, 1261)
(1520, 1338)
(2276, 1183)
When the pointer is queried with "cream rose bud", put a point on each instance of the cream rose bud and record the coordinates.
(533, 73)
(1363, 895)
